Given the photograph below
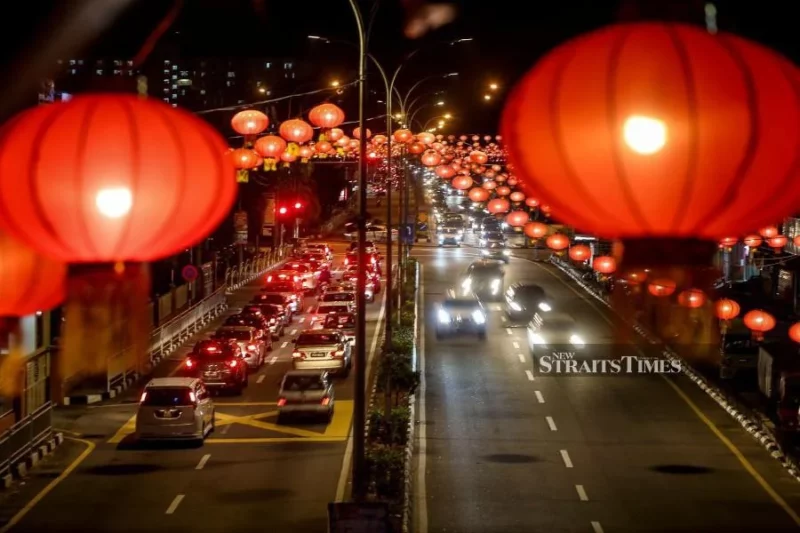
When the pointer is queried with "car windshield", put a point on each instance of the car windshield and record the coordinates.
(339, 297)
(324, 309)
(235, 334)
(301, 383)
(167, 397)
(317, 338)
(344, 321)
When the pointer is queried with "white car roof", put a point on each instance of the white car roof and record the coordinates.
(171, 382)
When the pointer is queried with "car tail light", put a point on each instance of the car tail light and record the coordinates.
(281, 402)
(232, 363)
(252, 347)
(325, 400)
(189, 363)
(297, 354)
(143, 398)
(269, 279)
(211, 348)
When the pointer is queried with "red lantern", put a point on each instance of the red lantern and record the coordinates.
(379, 140)
(535, 230)
(604, 264)
(430, 158)
(243, 158)
(517, 219)
(661, 287)
(728, 242)
(446, 172)
(426, 138)
(778, 241)
(513, 182)
(270, 146)
(726, 309)
(531, 202)
(517, 196)
(478, 157)
(357, 133)
(637, 156)
(335, 134)
(250, 122)
(416, 148)
(296, 131)
(326, 116)
(768, 232)
(489, 185)
(557, 241)
(498, 205)
(478, 194)
(323, 147)
(759, 322)
(692, 298)
(580, 252)
(794, 332)
(403, 136)
(288, 157)
(462, 183)
(753, 241)
(503, 191)
(635, 277)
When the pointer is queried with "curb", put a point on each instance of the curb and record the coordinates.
(408, 480)
(24, 465)
(753, 423)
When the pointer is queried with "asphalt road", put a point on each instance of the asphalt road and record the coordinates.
(507, 450)
(250, 475)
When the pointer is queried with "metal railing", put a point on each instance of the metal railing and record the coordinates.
(22, 438)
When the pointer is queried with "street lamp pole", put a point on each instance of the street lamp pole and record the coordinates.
(359, 396)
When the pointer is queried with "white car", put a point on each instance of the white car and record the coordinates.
(323, 309)
(175, 409)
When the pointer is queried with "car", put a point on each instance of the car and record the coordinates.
(344, 322)
(373, 261)
(254, 344)
(287, 300)
(460, 315)
(449, 236)
(373, 279)
(283, 281)
(221, 365)
(320, 247)
(338, 296)
(484, 278)
(304, 273)
(493, 246)
(175, 408)
(275, 314)
(257, 321)
(322, 349)
(490, 225)
(341, 286)
(306, 392)
(554, 330)
(525, 299)
(369, 247)
(324, 309)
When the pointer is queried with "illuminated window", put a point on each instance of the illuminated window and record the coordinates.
(269, 65)
(99, 72)
(231, 74)
(287, 66)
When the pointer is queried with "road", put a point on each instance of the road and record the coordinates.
(251, 474)
(507, 450)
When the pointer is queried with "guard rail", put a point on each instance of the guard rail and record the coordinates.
(21, 439)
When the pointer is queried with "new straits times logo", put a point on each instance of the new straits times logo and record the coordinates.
(607, 360)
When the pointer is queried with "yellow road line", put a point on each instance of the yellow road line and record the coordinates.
(746, 464)
(269, 440)
(244, 404)
(90, 446)
(342, 418)
(127, 428)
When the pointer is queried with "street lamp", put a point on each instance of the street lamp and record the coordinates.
(493, 86)
(335, 83)
(440, 103)
(487, 97)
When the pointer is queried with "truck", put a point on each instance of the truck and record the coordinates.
(779, 382)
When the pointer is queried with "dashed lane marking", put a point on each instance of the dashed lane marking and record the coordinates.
(582, 493)
(273, 359)
(301, 319)
(508, 330)
(261, 378)
(551, 423)
(293, 332)
(203, 461)
(567, 460)
(504, 319)
(515, 344)
(596, 527)
(530, 375)
(175, 503)
(522, 359)
(539, 397)
(285, 344)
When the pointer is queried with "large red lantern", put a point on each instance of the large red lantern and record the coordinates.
(270, 146)
(535, 230)
(768, 232)
(379, 140)
(794, 332)
(334, 134)
(133, 180)
(416, 148)
(249, 122)
(517, 219)
(531, 202)
(778, 241)
(557, 242)
(498, 205)
(604, 264)
(403, 136)
(478, 194)
(753, 241)
(296, 131)
(726, 309)
(446, 172)
(430, 158)
(728, 242)
(462, 183)
(243, 158)
(692, 298)
(637, 154)
(759, 322)
(635, 277)
(489, 185)
(503, 191)
(326, 116)
(580, 252)
(357, 133)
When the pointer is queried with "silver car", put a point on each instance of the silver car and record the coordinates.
(175, 409)
(322, 349)
(306, 392)
(252, 343)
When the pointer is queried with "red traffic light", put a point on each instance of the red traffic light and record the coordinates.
(282, 211)
(298, 205)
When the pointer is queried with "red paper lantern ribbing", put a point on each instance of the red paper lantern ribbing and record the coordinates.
(637, 156)
(430, 158)
(517, 219)
(535, 230)
(557, 241)
(759, 322)
(661, 287)
(517, 196)
(31, 282)
(249, 122)
(296, 131)
(446, 172)
(132, 179)
(478, 194)
(403, 136)
(357, 133)
(726, 309)
(462, 183)
(604, 264)
(580, 252)
(270, 146)
(692, 298)
(326, 116)
(498, 205)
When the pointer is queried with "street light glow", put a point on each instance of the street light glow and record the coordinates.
(487, 97)
(114, 202)
(645, 135)
(440, 103)
(335, 83)
(398, 116)
(448, 116)
(493, 86)
(262, 90)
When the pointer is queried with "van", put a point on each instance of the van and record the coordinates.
(175, 409)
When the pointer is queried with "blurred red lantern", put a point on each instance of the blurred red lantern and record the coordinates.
(604, 264)
(726, 309)
(243, 158)
(794, 332)
(357, 133)
(478, 157)
(513, 182)
(753, 241)
(635, 277)
(580, 252)
(517, 219)
(430, 158)
(691, 298)
(379, 140)
(778, 241)
(503, 191)
(489, 185)
(557, 241)
(728, 242)
(531, 202)
(497, 168)
(445, 171)
(323, 147)
(326, 116)
(343, 142)
(270, 146)
(249, 122)
(759, 322)
(31, 282)
(296, 131)
(416, 148)
(403, 136)
(535, 230)
(305, 152)
(663, 119)
(768, 232)
(335, 134)
(288, 157)
(661, 287)
(517, 196)
(478, 194)
(354, 145)
(498, 205)
(426, 138)
(462, 183)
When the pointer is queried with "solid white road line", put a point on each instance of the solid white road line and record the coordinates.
(420, 494)
(261, 378)
(539, 396)
(522, 359)
(273, 359)
(508, 330)
(551, 423)
(203, 461)
(293, 332)
(175, 503)
(515, 344)
(530, 375)
(596, 527)
(567, 460)
(285, 344)
(582, 493)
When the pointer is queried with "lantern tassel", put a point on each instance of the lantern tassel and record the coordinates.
(107, 326)
(12, 363)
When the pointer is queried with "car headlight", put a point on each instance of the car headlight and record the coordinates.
(535, 338)
(495, 284)
(467, 283)
(576, 340)
(478, 317)
(515, 306)
(485, 252)
(506, 252)
(544, 307)
(444, 316)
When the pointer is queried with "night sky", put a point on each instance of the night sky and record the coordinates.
(508, 39)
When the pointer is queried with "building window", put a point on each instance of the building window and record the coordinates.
(174, 96)
(129, 63)
(71, 61)
(166, 72)
(174, 77)
(292, 75)
(99, 72)
(202, 74)
(80, 61)
(166, 62)
(117, 63)
(174, 67)
(166, 90)
(184, 74)
(73, 71)
(99, 62)
(228, 83)
(231, 74)
(202, 91)
(269, 65)
(166, 100)
(287, 66)
(174, 105)
(117, 72)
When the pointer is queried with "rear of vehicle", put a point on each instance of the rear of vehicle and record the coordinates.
(325, 349)
(554, 331)
(344, 323)
(320, 247)
(373, 282)
(274, 314)
(490, 225)
(174, 409)
(289, 281)
(338, 297)
(219, 369)
(461, 316)
(306, 393)
(323, 309)
(252, 346)
(304, 273)
(494, 247)
(288, 300)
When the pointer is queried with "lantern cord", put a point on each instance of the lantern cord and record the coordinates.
(273, 100)
(155, 36)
